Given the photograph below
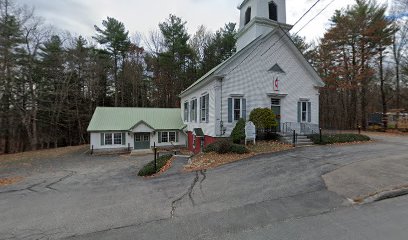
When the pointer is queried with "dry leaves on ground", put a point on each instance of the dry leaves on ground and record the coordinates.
(166, 167)
(350, 143)
(9, 181)
(40, 154)
(212, 160)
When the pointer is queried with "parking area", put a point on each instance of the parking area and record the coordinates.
(78, 196)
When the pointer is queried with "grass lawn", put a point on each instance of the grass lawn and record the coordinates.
(212, 159)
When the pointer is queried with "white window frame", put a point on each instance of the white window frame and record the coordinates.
(112, 139)
(203, 109)
(304, 113)
(186, 111)
(167, 136)
(276, 105)
(234, 109)
(193, 111)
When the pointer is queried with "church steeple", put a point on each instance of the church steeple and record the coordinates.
(259, 17)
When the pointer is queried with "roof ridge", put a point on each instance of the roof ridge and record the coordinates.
(220, 66)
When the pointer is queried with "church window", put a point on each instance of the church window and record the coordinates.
(248, 15)
(273, 11)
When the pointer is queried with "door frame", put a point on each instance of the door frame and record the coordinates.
(143, 135)
(279, 120)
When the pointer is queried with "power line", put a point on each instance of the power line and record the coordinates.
(298, 22)
(278, 39)
(306, 13)
(315, 16)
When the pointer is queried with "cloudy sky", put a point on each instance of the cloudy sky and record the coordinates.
(79, 16)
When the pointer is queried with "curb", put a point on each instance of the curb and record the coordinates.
(383, 196)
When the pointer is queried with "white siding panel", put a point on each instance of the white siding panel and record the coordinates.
(249, 76)
(154, 138)
(96, 142)
(208, 128)
(142, 128)
(252, 79)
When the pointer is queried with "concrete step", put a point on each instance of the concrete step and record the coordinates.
(298, 139)
(304, 144)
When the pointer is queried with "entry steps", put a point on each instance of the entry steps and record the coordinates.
(301, 140)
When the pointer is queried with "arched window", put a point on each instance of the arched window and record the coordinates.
(248, 15)
(273, 11)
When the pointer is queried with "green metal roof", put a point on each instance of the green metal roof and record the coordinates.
(124, 119)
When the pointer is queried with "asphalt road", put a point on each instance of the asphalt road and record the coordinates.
(276, 196)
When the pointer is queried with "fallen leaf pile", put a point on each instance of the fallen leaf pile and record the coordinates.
(164, 168)
(41, 154)
(212, 159)
(9, 181)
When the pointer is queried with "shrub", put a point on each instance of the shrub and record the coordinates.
(149, 170)
(224, 146)
(263, 118)
(266, 135)
(238, 133)
(338, 138)
(240, 149)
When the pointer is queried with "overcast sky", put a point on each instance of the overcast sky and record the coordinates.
(79, 16)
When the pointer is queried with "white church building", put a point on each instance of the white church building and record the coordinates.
(267, 71)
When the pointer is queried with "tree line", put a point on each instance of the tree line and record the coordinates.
(51, 82)
(363, 59)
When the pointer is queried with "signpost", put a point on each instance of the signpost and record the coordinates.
(250, 132)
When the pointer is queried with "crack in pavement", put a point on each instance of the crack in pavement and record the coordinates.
(48, 186)
(189, 192)
(29, 188)
(202, 180)
(70, 174)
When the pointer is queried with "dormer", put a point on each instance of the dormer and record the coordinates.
(259, 17)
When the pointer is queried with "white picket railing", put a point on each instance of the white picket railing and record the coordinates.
(300, 128)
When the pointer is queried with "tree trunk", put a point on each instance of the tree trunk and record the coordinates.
(383, 97)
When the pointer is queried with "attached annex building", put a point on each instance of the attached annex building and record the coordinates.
(267, 71)
(136, 128)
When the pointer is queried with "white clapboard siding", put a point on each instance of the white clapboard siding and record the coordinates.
(248, 75)
(208, 128)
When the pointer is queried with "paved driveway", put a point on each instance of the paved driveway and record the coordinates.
(102, 198)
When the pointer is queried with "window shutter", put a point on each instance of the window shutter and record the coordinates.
(299, 112)
(124, 138)
(196, 110)
(177, 136)
(191, 111)
(309, 112)
(199, 110)
(230, 110)
(187, 113)
(207, 108)
(102, 139)
(160, 137)
(244, 112)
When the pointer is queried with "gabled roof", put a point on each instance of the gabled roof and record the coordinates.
(218, 69)
(125, 119)
(248, 50)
